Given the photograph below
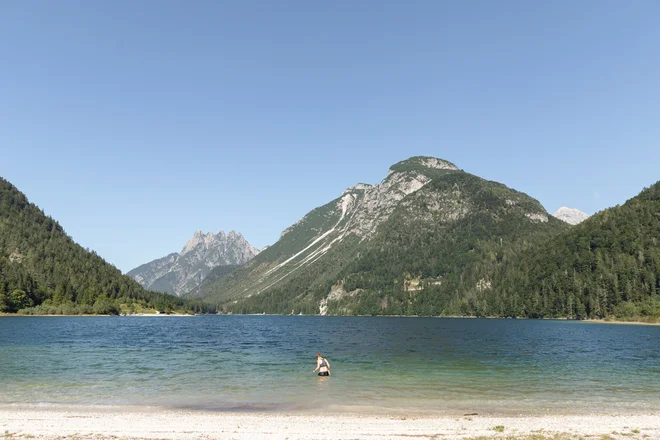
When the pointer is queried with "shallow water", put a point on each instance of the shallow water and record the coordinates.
(408, 365)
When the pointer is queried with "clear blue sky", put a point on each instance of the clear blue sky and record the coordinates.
(135, 123)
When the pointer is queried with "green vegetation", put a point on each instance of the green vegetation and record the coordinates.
(42, 271)
(220, 272)
(463, 246)
(434, 255)
(608, 266)
(460, 246)
(250, 277)
(415, 163)
(430, 266)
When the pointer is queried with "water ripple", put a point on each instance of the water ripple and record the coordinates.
(236, 363)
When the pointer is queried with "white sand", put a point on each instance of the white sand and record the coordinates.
(145, 423)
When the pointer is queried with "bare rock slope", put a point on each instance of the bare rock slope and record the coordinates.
(571, 216)
(179, 273)
(427, 224)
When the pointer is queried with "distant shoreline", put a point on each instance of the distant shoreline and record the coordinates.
(588, 321)
(605, 321)
(98, 316)
(132, 423)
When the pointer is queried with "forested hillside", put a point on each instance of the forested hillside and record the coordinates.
(608, 265)
(439, 265)
(43, 271)
(432, 240)
(427, 240)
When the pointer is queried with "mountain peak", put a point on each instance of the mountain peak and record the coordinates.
(417, 162)
(358, 187)
(571, 216)
(233, 235)
(373, 243)
(198, 238)
(180, 273)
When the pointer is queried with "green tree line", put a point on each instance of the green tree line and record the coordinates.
(43, 271)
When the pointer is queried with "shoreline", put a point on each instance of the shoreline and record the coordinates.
(156, 423)
(96, 316)
(587, 321)
(605, 321)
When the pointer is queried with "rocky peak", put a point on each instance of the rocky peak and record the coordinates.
(571, 216)
(362, 207)
(199, 238)
(379, 201)
(180, 273)
(420, 199)
(421, 162)
(358, 187)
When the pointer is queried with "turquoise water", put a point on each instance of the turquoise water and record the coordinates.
(265, 363)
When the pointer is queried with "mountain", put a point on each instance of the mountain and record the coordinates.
(571, 216)
(179, 273)
(426, 240)
(608, 265)
(43, 271)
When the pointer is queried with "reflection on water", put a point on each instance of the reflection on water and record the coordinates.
(247, 363)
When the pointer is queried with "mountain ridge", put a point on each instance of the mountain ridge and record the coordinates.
(331, 242)
(179, 272)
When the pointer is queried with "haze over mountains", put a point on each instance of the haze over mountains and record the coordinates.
(179, 273)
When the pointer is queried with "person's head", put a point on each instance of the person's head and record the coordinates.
(318, 355)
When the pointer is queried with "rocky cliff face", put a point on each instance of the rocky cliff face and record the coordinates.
(571, 216)
(147, 274)
(427, 219)
(179, 273)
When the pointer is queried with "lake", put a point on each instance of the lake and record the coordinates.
(379, 364)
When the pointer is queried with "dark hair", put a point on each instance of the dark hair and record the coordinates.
(318, 355)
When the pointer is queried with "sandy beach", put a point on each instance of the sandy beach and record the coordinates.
(607, 321)
(154, 423)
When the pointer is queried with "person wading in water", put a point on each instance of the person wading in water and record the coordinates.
(322, 365)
